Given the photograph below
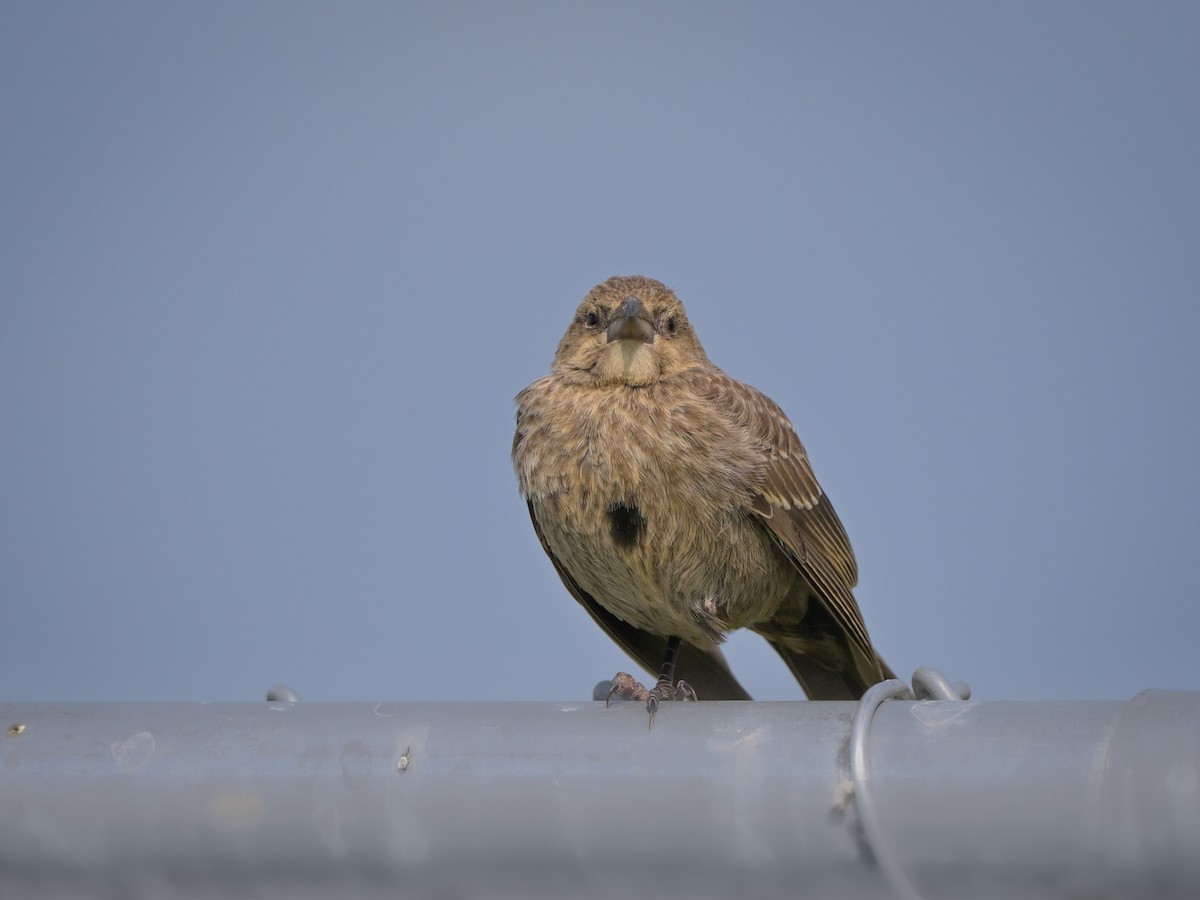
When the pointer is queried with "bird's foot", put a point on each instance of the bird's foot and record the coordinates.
(625, 685)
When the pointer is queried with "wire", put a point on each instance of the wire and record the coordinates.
(928, 684)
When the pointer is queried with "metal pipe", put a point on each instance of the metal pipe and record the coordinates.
(967, 799)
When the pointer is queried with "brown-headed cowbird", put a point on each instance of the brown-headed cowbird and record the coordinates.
(678, 504)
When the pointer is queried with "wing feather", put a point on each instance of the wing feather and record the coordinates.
(793, 508)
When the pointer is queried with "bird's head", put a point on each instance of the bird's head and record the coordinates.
(629, 330)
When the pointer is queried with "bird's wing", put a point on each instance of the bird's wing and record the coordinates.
(706, 671)
(791, 505)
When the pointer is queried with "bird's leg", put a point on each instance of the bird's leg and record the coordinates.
(666, 688)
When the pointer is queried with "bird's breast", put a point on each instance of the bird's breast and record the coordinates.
(644, 498)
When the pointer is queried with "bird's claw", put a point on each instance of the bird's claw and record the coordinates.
(625, 685)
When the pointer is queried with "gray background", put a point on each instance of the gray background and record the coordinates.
(271, 275)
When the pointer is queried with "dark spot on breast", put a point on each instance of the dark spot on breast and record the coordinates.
(626, 523)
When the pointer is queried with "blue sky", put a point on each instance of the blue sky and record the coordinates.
(271, 274)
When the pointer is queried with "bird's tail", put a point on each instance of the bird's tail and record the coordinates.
(820, 682)
(708, 673)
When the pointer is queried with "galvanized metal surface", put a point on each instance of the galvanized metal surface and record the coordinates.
(969, 799)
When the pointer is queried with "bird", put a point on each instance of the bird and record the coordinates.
(678, 504)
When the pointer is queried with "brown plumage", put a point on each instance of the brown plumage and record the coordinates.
(676, 502)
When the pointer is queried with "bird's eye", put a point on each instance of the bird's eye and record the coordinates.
(671, 326)
(591, 320)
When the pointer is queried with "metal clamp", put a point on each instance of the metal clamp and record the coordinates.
(928, 684)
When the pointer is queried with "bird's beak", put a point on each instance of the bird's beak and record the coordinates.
(632, 323)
